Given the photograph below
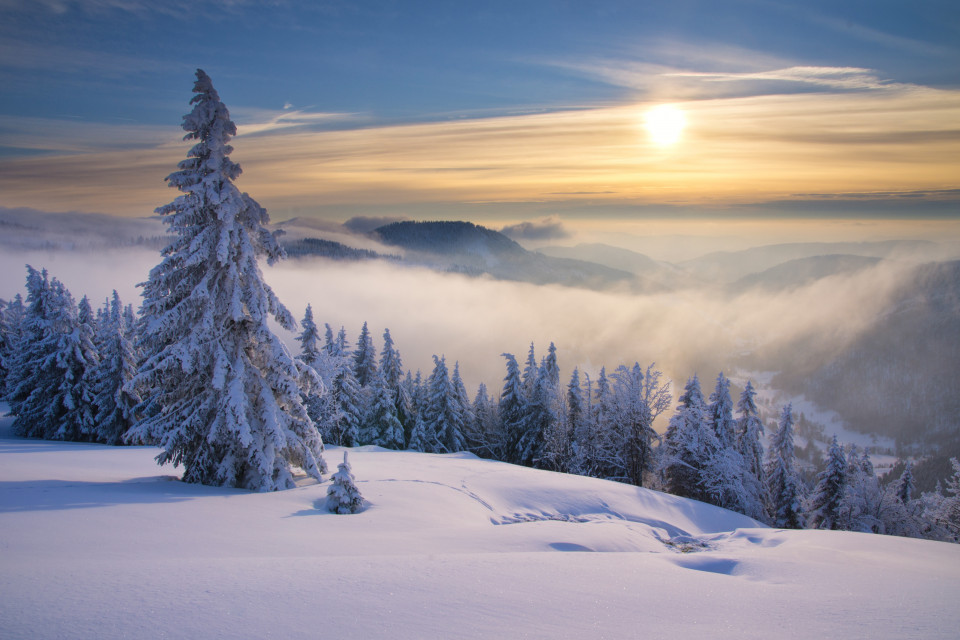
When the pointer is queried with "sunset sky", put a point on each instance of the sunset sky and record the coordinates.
(495, 112)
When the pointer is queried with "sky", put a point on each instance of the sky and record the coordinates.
(495, 112)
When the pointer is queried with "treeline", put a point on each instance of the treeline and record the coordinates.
(69, 374)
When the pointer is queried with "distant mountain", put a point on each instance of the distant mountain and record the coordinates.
(728, 267)
(318, 247)
(801, 272)
(464, 247)
(652, 274)
(899, 378)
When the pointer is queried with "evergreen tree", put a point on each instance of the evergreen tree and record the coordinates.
(862, 506)
(309, 340)
(749, 430)
(552, 367)
(224, 391)
(905, 484)
(827, 500)
(443, 414)
(783, 484)
(116, 399)
(12, 315)
(316, 399)
(463, 400)
(346, 415)
(538, 420)
(382, 421)
(689, 445)
(391, 368)
(578, 419)
(512, 410)
(483, 436)
(720, 411)
(530, 371)
(638, 398)
(364, 358)
(343, 496)
(50, 379)
(948, 514)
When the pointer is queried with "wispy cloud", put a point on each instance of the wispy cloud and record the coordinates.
(551, 228)
(832, 77)
(735, 150)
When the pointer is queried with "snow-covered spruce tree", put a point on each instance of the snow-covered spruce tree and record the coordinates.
(512, 410)
(391, 368)
(750, 430)
(346, 406)
(720, 411)
(485, 437)
(224, 392)
(364, 358)
(539, 420)
(905, 484)
(688, 446)
(80, 361)
(783, 484)
(342, 494)
(862, 506)
(443, 415)
(116, 399)
(948, 514)
(50, 378)
(11, 319)
(381, 420)
(826, 503)
(312, 355)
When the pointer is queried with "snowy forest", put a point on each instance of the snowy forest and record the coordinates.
(200, 373)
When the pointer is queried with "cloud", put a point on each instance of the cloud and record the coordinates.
(832, 77)
(366, 224)
(544, 229)
(734, 151)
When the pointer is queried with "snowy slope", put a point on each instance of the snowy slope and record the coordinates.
(99, 542)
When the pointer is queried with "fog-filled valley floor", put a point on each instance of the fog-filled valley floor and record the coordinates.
(99, 541)
(866, 330)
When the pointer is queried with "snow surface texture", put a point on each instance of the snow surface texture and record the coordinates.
(98, 542)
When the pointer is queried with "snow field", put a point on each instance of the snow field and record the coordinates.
(99, 542)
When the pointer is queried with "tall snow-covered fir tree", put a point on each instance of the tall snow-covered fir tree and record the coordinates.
(312, 354)
(750, 430)
(364, 358)
(50, 382)
(224, 390)
(689, 446)
(391, 369)
(826, 502)
(720, 411)
(905, 484)
(12, 314)
(116, 399)
(783, 484)
(512, 410)
(443, 415)
(382, 425)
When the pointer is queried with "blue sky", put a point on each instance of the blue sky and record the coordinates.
(427, 109)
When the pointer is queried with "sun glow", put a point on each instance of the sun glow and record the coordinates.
(665, 124)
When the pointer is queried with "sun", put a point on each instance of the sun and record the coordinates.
(665, 124)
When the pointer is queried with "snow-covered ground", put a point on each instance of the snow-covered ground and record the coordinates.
(99, 542)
